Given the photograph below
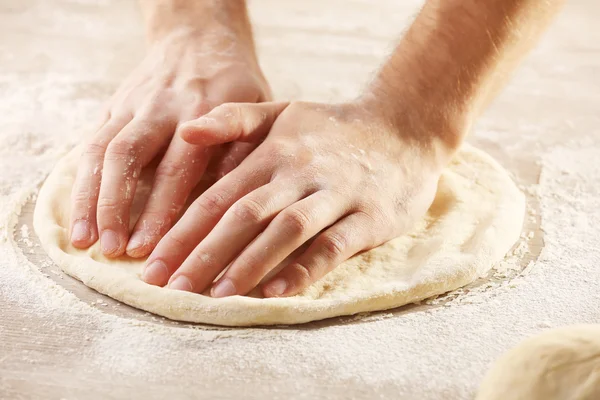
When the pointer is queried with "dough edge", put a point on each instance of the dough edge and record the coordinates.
(528, 371)
(247, 311)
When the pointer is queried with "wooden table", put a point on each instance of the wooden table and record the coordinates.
(310, 50)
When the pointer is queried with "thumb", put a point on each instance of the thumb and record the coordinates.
(244, 122)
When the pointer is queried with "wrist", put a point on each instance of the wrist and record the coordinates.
(437, 126)
(164, 18)
(200, 42)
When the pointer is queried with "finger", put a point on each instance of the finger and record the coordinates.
(84, 195)
(178, 173)
(233, 157)
(199, 219)
(232, 122)
(288, 231)
(330, 248)
(127, 153)
(241, 224)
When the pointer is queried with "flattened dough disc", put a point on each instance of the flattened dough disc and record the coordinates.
(476, 217)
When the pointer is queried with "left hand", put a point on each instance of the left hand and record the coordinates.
(339, 173)
(184, 75)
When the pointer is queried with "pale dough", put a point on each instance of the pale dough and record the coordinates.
(561, 364)
(476, 217)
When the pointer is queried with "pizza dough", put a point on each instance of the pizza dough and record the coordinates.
(476, 217)
(561, 364)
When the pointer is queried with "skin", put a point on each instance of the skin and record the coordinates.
(200, 55)
(330, 180)
(338, 173)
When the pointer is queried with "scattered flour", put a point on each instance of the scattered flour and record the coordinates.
(427, 350)
(440, 349)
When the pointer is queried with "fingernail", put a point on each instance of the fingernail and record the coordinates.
(155, 273)
(135, 242)
(81, 231)
(109, 241)
(276, 287)
(223, 289)
(181, 283)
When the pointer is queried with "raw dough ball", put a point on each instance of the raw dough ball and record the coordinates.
(561, 364)
(476, 217)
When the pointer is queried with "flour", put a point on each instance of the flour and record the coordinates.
(436, 350)
(475, 219)
(376, 348)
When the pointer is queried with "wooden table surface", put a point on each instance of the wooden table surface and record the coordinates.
(313, 50)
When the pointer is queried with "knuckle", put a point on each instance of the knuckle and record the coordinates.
(334, 244)
(95, 149)
(376, 211)
(249, 210)
(170, 169)
(212, 203)
(175, 240)
(203, 258)
(85, 187)
(296, 221)
(80, 197)
(110, 204)
(119, 148)
(372, 213)
(154, 118)
(302, 275)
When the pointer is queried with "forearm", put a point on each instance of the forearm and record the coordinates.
(456, 55)
(163, 17)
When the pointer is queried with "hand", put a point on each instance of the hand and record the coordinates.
(338, 174)
(184, 75)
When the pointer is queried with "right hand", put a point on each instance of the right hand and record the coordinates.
(343, 174)
(183, 76)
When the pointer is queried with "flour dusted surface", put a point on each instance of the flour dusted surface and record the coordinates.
(72, 348)
(476, 216)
